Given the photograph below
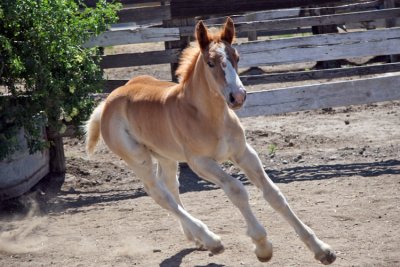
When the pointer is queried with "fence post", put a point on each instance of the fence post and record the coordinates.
(325, 29)
(251, 35)
(389, 23)
(182, 43)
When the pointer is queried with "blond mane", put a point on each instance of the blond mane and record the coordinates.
(189, 56)
(187, 62)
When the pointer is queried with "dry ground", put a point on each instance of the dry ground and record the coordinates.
(339, 169)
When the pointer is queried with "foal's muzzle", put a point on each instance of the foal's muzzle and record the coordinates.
(237, 98)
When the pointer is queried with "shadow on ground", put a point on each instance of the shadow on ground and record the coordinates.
(176, 260)
(51, 199)
(323, 172)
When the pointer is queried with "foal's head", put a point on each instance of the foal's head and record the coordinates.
(221, 62)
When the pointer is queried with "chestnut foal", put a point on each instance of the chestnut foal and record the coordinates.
(148, 120)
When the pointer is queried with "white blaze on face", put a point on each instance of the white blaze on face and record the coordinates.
(231, 77)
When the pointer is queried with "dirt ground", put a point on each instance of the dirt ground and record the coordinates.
(339, 170)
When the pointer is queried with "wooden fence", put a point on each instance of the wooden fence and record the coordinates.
(175, 26)
(172, 22)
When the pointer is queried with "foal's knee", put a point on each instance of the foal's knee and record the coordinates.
(275, 198)
(236, 192)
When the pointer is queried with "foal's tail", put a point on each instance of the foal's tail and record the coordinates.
(92, 129)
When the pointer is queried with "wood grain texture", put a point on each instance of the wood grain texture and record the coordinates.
(326, 95)
(334, 19)
(181, 8)
(256, 16)
(277, 23)
(92, 3)
(320, 47)
(140, 59)
(144, 15)
(134, 36)
(319, 74)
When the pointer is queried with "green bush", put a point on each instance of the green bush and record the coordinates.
(46, 73)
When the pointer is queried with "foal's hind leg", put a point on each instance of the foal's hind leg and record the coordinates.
(251, 165)
(139, 159)
(158, 191)
(167, 172)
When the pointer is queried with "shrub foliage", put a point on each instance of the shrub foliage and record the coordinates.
(45, 73)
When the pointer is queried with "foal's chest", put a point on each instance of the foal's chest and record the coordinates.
(230, 142)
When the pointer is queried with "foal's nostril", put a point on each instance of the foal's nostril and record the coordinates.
(231, 98)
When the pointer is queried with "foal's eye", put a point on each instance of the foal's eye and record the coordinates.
(210, 64)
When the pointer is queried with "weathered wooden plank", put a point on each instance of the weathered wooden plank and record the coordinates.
(92, 3)
(321, 96)
(242, 24)
(139, 59)
(144, 15)
(320, 47)
(361, 6)
(351, 7)
(134, 36)
(335, 19)
(257, 16)
(110, 85)
(181, 8)
(319, 74)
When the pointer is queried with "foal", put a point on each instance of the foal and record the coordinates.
(149, 120)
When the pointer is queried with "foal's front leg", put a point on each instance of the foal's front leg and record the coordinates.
(234, 189)
(250, 163)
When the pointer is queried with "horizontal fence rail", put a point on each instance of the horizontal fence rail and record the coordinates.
(336, 19)
(290, 23)
(318, 96)
(282, 17)
(181, 8)
(139, 59)
(289, 50)
(320, 47)
(145, 15)
(134, 36)
(319, 74)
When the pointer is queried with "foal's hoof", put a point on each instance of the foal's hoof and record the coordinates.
(264, 250)
(217, 250)
(327, 257)
(264, 254)
(264, 259)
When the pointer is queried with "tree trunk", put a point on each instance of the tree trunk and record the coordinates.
(57, 156)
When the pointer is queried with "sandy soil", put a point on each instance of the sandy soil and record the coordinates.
(339, 170)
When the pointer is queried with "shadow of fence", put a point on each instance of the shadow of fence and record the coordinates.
(191, 182)
(50, 198)
(323, 172)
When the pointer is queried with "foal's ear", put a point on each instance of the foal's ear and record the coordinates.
(228, 33)
(202, 35)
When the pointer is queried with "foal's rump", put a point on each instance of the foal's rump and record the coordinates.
(134, 114)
